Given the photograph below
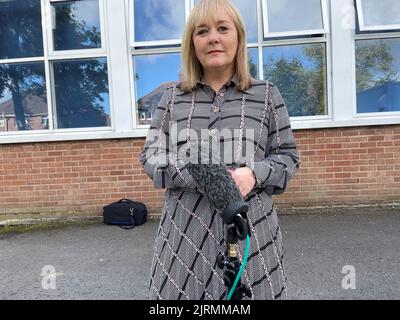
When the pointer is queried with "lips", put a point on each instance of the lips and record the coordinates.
(214, 51)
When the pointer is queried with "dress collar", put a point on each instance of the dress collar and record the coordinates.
(230, 83)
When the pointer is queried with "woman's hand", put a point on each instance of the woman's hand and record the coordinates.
(244, 179)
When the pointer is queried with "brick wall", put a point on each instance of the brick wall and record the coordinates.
(341, 166)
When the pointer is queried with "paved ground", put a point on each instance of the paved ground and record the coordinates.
(105, 262)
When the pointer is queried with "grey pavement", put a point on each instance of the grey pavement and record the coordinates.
(105, 262)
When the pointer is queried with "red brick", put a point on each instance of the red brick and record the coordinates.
(343, 165)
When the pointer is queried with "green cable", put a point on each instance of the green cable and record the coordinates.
(246, 254)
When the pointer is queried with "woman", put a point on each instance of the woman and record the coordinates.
(217, 94)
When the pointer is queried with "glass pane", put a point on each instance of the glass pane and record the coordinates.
(378, 75)
(20, 29)
(159, 19)
(253, 62)
(76, 25)
(248, 10)
(153, 74)
(299, 71)
(23, 102)
(81, 93)
(382, 12)
(294, 15)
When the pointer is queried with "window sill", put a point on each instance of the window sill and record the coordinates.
(69, 136)
(297, 124)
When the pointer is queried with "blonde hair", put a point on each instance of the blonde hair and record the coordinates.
(191, 67)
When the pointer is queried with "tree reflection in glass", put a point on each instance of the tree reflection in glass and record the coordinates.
(299, 71)
(23, 103)
(253, 62)
(81, 93)
(20, 29)
(378, 75)
(76, 25)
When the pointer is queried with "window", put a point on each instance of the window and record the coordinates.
(295, 53)
(45, 121)
(81, 93)
(22, 84)
(75, 25)
(80, 88)
(20, 29)
(87, 69)
(253, 62)
(376, 15)
(153, 74)
(156, 20)
(23, 95)
(293, 17)
(378, 75)
(156, 65)
(299, 71)
(377, 57)
(79, 96)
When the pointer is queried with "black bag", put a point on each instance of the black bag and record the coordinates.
(125, 213)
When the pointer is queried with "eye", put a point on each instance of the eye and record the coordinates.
(201, 32)
(222, 29)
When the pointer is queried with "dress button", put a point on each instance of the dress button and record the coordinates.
(221, 94)
(216, 109)
(213, 131)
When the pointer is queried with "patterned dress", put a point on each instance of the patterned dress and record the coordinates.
(191, 233)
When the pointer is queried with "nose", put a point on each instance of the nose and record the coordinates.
(213, 36)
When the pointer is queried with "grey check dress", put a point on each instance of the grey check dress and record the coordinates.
(191, 232)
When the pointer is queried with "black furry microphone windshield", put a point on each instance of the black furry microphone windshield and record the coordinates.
(216, 183)
(220, 189)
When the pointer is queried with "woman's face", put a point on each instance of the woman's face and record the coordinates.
(216, 43)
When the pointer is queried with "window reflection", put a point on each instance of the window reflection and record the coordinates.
(20, 29)
(76, 25)
(383, 12)
(23, 103)
(294, 15)
(153, 73)
(81, 93)
(159, 19)
(378, 75)
(299, 73)
(253, 62)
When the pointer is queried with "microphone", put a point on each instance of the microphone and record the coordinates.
(216, 183)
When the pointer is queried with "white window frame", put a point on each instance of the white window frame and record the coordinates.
(268, 34)
(137, 44)
(369, 115)
(133, 82)
(50, 23)
(72, 55)
(114, 51)
(119, 51)
(152, 47)
(299, 121)
(379, 27)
